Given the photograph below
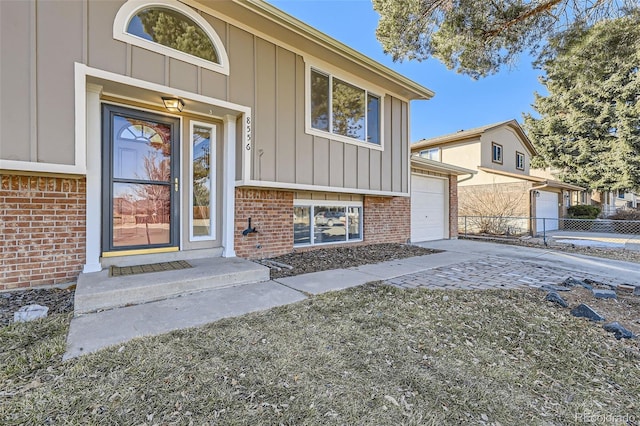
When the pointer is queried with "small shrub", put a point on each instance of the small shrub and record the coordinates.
(626, 215)
(583, 211)
(627, 221)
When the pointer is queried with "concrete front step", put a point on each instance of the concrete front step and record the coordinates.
(97, 291)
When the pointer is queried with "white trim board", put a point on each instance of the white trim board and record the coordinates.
(317, 188)
(213, 183)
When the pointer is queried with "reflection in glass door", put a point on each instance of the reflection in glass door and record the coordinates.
(141, 180)
(202, 185)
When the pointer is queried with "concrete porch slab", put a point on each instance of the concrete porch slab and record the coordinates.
(97, 291)
(91, 332)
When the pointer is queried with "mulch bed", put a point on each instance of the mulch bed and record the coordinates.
(304, 262)
(58, 301)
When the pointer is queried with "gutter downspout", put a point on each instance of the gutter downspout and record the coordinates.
(471, 175)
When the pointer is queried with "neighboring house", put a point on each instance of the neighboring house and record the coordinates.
(626, 199)
(610, 202)
(503, 186)
(174, 129)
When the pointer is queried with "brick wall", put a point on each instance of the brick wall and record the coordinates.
(271, 213)
(453, 206)
(387, 219)
(42, 234)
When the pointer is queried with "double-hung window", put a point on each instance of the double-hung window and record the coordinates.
(496, 153)
(519, 160)
(345, 111)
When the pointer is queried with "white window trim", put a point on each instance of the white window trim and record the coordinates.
(214, 183)
(426, 152)
(132, 7)
(368, 89)
(329, 203)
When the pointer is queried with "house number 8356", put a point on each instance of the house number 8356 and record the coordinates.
(248, 130)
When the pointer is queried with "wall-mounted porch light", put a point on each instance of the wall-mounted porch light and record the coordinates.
(173, 104)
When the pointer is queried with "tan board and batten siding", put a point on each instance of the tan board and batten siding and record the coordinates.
(37, 83)
(261, 76)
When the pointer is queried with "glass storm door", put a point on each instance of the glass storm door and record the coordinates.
(140, 175)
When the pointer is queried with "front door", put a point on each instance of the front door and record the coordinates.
(140, 180)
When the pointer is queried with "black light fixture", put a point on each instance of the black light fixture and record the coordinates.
(173, 104)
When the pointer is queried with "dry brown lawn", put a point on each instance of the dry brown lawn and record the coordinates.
(373, 355)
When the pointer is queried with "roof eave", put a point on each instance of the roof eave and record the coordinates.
(472, 134)
(271, 12)
(437, 166)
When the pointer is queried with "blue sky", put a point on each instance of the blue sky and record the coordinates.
(460, 102)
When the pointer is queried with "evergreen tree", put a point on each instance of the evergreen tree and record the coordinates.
(174, 30)
(589, 125)
(479, 37)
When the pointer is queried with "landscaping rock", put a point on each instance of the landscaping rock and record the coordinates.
(618, 330)
(30, 313)
(554, 297)
(594, 283)
(586, 311)
(604, 294)
(572, 282)
(626, 288)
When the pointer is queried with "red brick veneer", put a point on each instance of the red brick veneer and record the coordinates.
(42, 238)
(387, 219)
(271, 213)
(453, 206)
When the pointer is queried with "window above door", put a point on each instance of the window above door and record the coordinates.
(172, 29)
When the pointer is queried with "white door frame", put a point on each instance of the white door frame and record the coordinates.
(88, 135)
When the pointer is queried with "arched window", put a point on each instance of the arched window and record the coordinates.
(172, 29)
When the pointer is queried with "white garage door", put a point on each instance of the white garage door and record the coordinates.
(547, 208)
(429, 212)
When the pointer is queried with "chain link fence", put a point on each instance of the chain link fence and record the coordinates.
(515, 227)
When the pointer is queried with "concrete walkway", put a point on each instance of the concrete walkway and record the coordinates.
(464, 265)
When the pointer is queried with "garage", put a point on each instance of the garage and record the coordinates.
(546, 208)
(429, 208)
